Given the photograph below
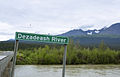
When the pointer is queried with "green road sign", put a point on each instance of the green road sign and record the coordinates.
(41, 38)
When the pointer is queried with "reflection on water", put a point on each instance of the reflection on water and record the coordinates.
(71, 71)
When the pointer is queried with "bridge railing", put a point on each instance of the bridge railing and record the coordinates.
(5, 59)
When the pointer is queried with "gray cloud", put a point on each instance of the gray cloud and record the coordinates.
(56, 16)
(4, 33)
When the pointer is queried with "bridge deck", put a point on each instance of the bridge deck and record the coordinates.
(2, 57)
(5, 58)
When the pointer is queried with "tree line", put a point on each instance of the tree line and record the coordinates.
(76, 54)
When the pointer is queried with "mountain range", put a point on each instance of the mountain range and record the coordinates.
(90, 38)
(114, 29)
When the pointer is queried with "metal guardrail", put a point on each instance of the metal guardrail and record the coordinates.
(7, 56)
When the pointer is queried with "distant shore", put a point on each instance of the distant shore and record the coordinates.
(75, 55)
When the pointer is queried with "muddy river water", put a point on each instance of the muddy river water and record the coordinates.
(71, 71)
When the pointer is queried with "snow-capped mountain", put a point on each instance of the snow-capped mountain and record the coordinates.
(112, 30)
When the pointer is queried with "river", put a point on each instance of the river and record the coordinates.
(71, 71)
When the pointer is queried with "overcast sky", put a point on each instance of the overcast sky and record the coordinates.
(55, 16)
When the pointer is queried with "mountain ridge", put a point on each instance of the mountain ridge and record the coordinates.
(114, 29)
(89, 38)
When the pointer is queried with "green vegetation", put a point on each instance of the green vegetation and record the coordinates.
(76, 54)
(113, 42)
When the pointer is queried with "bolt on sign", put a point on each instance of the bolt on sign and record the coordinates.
(41, 38)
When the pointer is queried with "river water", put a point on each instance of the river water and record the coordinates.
(71, 71)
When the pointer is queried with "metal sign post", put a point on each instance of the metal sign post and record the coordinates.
(64, 61)
(14, 58)
(40, 38)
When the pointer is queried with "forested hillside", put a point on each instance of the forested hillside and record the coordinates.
(75, 55)
(36, 53)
